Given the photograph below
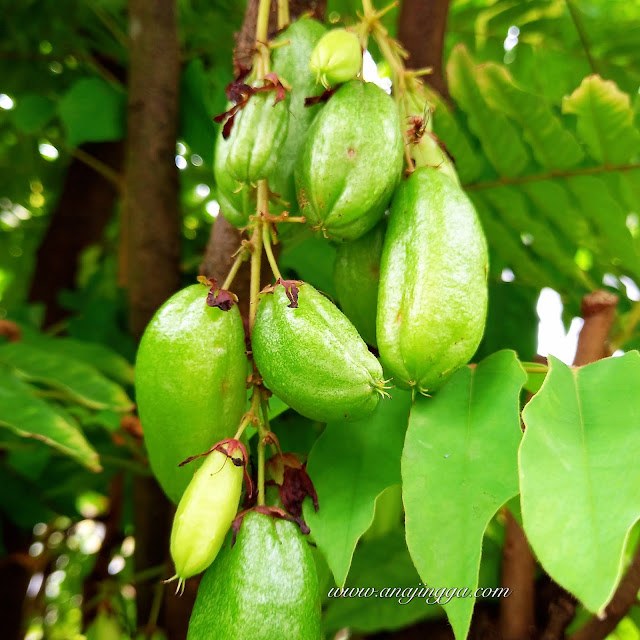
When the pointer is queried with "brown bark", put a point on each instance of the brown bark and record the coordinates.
(151, 185)
(152, 225)
(421, 30)
(598, 311)
(78, 221)
(625, 597)
(518, 574)
(517, 612)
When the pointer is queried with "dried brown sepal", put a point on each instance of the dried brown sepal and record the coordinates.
(228, 447)
(323, 97)
(275, 466)
(274, 512)
(239, 92)
(217, 297)
(291, 288)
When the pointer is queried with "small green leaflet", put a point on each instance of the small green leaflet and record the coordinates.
(579, 474)
(459, 466)
(30, 417)
(79, 381)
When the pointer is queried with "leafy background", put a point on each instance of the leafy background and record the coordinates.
(543, 123)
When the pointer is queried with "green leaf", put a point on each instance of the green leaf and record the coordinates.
(93, 110)
(383, 563)
(554, 147)
(32, 112)
(459, 466)
(351, 464)
(605, 120)
(107, 361)
(196, 121)
(501, 141)
(81, 382)
(28, 416)
(579, 474)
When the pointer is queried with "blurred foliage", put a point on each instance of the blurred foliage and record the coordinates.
(543, 123)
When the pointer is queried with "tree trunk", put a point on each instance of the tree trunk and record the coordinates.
(78, 221)
(151, 227)
(421, 30)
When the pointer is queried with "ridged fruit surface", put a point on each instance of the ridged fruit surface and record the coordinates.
(351, 162)
(265, 587)
(432, 299)
(313, 358)
(257, 137)
(191, 371)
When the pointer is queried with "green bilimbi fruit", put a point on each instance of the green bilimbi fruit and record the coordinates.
(206, 511)
(290, 65)
(336, 58)
(351, 162)
(312, 357)
(191, 372)
(432, 300)
(356, 276)
(237, 200)
(257, 137)
(264, 587)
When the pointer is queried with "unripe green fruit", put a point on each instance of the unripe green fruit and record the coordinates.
(313, 358)
(205, 513)
(191, 372)
(265, 587)
(290, 65)
(257, 137)
(351, 162)
(336, 58)
(236, 200)
(356, 277)
(432, 300)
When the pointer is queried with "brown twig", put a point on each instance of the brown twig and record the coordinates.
(553, 175)
(625, 597)
(518, 574)
(598, 311)
(517, 612)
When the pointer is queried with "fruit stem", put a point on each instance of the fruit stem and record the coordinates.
(256, 255)
(266, 240)
(283, 13)
(262, 33)
(261, 448)
(234, 268)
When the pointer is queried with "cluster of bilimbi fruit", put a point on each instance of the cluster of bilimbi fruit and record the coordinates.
(411, 285)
